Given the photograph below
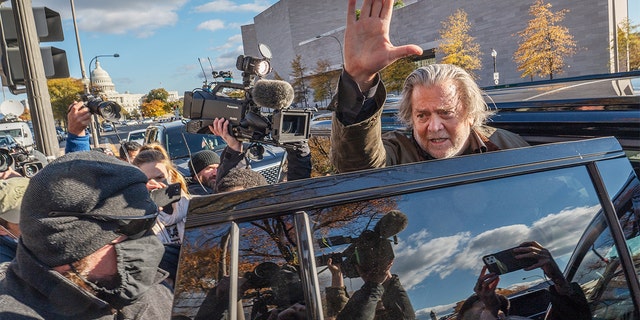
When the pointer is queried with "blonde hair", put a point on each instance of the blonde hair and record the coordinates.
(469, 94)
(153, 153)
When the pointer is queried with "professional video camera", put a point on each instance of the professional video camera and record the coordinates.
(109, 110)
(369, 250)
(281, 125)
(23, 161)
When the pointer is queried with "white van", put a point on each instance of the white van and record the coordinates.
(20, 131)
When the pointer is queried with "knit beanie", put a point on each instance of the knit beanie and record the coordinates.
(11, 192)
(89, 182)
(201, 160)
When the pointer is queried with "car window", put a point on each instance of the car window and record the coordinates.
(183, 144)
(449, 230)
(598, 268)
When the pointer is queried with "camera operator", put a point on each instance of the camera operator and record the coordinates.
(298, 154)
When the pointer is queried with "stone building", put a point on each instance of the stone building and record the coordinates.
(315, 29)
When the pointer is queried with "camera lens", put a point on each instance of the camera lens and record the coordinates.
(109, 110)
(5, 160)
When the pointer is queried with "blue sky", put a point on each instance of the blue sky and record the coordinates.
(160, 41)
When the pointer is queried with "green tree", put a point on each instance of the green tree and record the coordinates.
(63, 92)
(157, 94)
(394, 75)
(323, 81)
(544, 43)
(628, 46)
(299, 82)
(456, 45)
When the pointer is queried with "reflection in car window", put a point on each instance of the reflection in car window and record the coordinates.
(438, 255)
(599, 273)
(195, 142)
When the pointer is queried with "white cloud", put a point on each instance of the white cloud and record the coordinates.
(141, 17)
(419, 257)
(211, 25)
(231, 6)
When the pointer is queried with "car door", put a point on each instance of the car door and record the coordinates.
(270, 245)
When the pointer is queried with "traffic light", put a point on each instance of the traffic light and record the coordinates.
(48, 28)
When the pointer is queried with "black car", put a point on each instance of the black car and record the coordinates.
(181, 144)
(577, 195)
(8, 142)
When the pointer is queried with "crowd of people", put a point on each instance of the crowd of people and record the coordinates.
(84, 239)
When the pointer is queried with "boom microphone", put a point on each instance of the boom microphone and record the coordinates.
(391, 224)
(273, 94)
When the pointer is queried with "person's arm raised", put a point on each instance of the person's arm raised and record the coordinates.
(367, 48)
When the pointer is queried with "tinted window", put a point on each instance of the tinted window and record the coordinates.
(438, 255)
(599, 268)
(177, 148)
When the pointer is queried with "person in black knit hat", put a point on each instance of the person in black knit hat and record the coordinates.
(86, 251)
(203, 167)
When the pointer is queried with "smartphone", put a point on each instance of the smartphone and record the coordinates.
(505, 261)
(163, 197)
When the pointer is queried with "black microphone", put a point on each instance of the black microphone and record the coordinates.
(273, 94)
(391, 224)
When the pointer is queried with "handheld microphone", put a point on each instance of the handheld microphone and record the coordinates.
(391, 224)
(273, 94)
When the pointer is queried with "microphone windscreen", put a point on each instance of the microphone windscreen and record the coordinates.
(391, 224)
(273, 94)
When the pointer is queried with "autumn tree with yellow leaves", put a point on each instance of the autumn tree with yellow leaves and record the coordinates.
(544, 43)
(63, 92)
(456, 45)
(324, 81)
(394, 75)
(628, 46)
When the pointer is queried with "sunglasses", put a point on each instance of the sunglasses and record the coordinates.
(132, 227)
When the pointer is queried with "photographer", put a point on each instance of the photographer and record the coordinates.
(567, 299)
(78, 119)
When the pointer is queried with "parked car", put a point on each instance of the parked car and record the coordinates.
(137, 135)
(61, 134)
(173, 135)
(320, 125)
(107, 127)
(574, 190)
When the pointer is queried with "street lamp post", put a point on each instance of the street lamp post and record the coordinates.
(115, 55)
(496, 75)
(339, 45)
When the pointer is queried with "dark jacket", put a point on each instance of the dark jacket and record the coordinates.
(30, 290)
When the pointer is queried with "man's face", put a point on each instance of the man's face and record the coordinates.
(156, 173)
(440, 124)
(208, 175)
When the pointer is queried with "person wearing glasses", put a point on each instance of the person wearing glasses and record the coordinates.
(86, 249)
